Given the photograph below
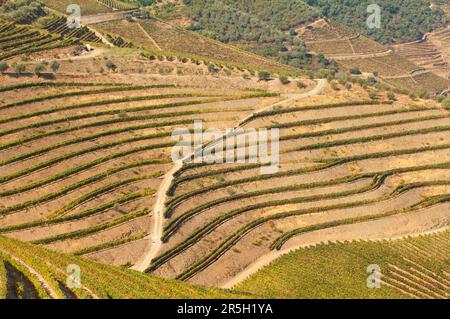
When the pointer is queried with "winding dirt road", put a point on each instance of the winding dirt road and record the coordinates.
(158, 219)
(159, 207)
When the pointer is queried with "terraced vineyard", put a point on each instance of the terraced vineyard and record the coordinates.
(58, 25)
(369, 165)
(403, 69)
(18, 40)
(87, 6)
(410, 268)
(337, 41)
(87, 176)
(27, 272)
(425, 54)
(117, 5)
(81, 165)
(133, 32)
(420, 81)
(174, 39)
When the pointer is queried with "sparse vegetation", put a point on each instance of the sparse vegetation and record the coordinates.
(3, 66)
(403, 22)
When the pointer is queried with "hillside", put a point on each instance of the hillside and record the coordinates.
(160, 37)
(353, 51)
(87, 6)
(403, 21)
(352, 144)
(28, 272)
(410, 268)
(296, 35)
(369, 164)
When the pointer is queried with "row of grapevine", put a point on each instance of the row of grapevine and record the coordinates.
(59, 25)
(411, 267)
(98, 280)
(118, 5)
(17, 40)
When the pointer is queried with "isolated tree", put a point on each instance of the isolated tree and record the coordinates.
(355, 70)
(19, 67)
(211, 68)
(54, 66)
(373, 95)
(391, 96)
(39, 68)
(371, 80)
(284, 80)
(446, 103)
(110, 65)
(301, 85)
(3, 67)
(264, 75)
(334, 85)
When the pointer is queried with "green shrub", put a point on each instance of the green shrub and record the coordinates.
(19, 67)
(110, 65)
(334, 85)
(423, 94)
(264, 75)
(3, 67)
(373, 95)
(39, 68)
(371, 80)
(355, 70)
(391, 96)
(54, 66)
(212, 68)
(284, 80)
(446, 103)
(301, 85)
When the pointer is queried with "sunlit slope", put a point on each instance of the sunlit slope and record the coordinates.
(410, 268)
(160, 37)
(27, 271)
(81, 162)
(351, 165)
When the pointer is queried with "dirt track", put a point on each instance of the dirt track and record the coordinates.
(158, 210)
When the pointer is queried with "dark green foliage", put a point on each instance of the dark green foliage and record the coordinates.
(262, 21)
(355, 70)
(264, 26)
(391, 96)
(284, 80)
(401, 20)
(264, 76)
(110, 65)
(3, 67)
(21, 11)
(54, 65)
(19, 67)
(39, 68)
